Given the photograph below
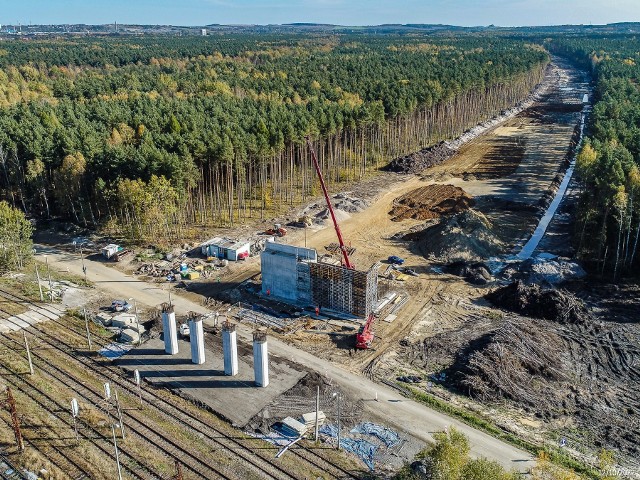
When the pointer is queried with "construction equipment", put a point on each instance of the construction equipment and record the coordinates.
(364, 337)
(343, 248)
(184, 330)
(277, 230)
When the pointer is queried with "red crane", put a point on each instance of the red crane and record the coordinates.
(364, 337)
(343, 248)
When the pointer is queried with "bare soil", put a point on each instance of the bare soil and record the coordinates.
(431, 201)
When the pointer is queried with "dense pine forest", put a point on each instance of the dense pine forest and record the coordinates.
(608, 223)
(154, 137)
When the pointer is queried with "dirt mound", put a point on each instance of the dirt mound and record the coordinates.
(430, 201)
(546, 268)
(520, 361)
(476, 273)
(533, 301)
(466, 236)
(425, 158)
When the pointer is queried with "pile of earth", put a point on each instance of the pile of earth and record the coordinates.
(521, 360)
(477, 273)
(343, 203)
(467, 236)
(547, 269)
(425, 158)
(431, 201)
(534, 301)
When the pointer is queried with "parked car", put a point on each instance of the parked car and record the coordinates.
(184, 330)
(395, 260)
(121, 306)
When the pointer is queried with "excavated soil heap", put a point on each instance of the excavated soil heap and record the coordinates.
(431, 201)
(533, 301)
(466, 236)
(521, 361)
(425, 158)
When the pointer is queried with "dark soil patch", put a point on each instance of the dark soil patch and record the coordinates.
(431, 201)
(534, 301)
(418, 161)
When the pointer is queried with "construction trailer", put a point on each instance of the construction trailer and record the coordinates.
(224, 248)
(110, 250)
(294, 275)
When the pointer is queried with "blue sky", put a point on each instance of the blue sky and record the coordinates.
(343, 12)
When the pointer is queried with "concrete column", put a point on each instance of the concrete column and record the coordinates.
(230, 349)
(196, 336)
(170, 329)
(260, 359)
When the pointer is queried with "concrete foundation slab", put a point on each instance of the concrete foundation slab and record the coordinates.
(46, 312)
(35, 316)
(234, 398)
(25, 317)
(15, 323)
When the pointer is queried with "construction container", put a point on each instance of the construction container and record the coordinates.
(111, 250)
(225, 248)
(193, 275)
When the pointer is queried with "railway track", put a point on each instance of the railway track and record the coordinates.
(58, 456)
(214, 438)
(46, 401)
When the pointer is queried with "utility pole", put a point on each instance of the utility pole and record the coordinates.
(317, 410)
(14, 420)
(86, 324)
(46, 259)
(119, 413)
(84, 268)
(74, 413)
(135, 309)
(115, 446)
(39, 286)
(338, 421)
(136, 378)
(26, 346)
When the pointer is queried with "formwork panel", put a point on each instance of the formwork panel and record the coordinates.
(343, 289)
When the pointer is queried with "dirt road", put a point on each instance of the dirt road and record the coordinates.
(411, 417)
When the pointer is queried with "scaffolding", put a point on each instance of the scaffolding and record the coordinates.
(343, 289)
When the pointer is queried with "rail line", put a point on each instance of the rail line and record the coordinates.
(218, 438)
(51, 405)
(63, 461)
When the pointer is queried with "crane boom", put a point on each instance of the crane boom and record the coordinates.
(343, 248)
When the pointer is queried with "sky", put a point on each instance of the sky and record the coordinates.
(340, 12)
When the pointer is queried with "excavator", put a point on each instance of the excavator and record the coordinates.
(364, 337)
(277, 230)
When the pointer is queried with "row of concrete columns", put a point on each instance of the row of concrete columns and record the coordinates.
(229, 345)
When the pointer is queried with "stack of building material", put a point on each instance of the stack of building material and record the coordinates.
(309, 419)
(124, 320)
(130, 335)
(104, 318)
(293, 428)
